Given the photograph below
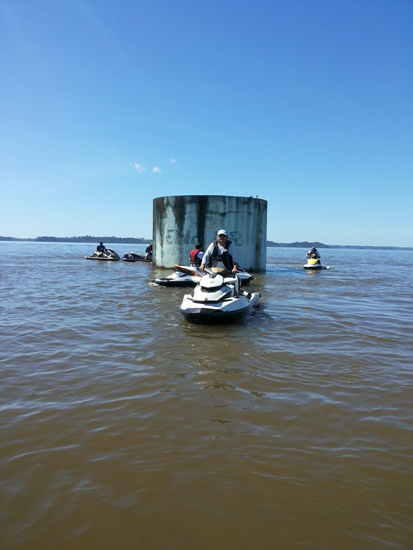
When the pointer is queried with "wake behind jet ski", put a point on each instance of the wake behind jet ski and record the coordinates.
(217, 299)
(185, 275)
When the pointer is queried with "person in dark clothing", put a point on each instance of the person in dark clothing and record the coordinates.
(100, 249)
(148, 252)
(313, 255)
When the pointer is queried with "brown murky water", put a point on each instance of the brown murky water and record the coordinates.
(124, 427)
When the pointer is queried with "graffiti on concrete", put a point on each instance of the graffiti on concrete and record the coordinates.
(236, 238)
(176, 237)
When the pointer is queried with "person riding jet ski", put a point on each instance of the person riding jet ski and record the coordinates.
(196, 255)
(221, 254)
(313, 254)
(148, 253)
(100, 249)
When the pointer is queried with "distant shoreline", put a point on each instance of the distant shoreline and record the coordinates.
(134, 240)
(83, 239)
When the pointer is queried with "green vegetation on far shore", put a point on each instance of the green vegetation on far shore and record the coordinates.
(82, 239)
(141, 240)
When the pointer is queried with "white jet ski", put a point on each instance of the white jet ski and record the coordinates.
(107, 255)
(217, 300)
(135, 257)
(185, 275)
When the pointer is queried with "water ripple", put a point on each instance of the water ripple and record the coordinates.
(293, 427)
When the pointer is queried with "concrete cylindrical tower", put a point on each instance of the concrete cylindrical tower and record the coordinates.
(179, 222)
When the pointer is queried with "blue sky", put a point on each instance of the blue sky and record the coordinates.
(307, 104)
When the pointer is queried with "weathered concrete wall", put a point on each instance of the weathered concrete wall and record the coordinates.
(179, 222)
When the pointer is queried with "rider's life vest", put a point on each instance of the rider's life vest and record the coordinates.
(195, 261)
(225, 257)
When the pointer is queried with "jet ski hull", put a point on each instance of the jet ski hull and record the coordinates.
(187, 276)
(217, 300)
(313, 267)
(313, 263)
(102, 259)
(222, 312)
(183, 281)
(109, 256)
(134, 257)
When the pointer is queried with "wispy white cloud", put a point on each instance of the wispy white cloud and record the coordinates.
(140, 168)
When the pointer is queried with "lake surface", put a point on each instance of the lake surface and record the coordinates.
(124, 427)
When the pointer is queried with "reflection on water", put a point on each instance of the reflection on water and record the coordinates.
(125, 427)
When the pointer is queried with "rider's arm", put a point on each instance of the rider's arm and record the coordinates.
(207, 255)
(233, 251)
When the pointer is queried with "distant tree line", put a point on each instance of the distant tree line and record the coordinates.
(306, 244)
(301, 244)
(82, 239)
(141, 240)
